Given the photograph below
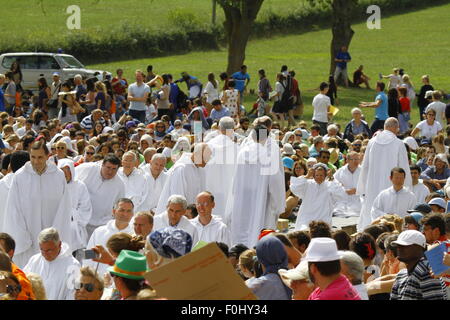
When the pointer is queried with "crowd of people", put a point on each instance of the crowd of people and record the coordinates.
(102, 181)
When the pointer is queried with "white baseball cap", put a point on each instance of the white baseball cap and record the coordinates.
(439, 202)
(410, 237)
(300, 272)
(322, 250)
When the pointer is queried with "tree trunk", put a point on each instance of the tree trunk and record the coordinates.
(341, 29)
(239, 18)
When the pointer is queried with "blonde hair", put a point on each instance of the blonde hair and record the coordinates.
(246, 259)
(100, 86)
(147, 294)
(37, 285)
(88, 272)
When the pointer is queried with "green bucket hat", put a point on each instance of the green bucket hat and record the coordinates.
(129, 264)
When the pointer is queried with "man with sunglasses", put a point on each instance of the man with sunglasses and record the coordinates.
(89, 286)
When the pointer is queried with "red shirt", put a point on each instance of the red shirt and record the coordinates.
(339, 289)
(404, 103)
(118, 88)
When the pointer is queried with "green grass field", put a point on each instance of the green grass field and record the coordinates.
(413, 41)
(27, 18)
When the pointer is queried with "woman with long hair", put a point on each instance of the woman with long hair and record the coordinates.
(44, 93)
(162, 101)
(211, 91)
(17, 75)
(231, 99)
(100, 95)
(67, 101)
(89, 98)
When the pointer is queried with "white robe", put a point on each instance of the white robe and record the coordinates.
(185, 179)
(162, 221)
(36, 202)
(383, 153)
(104, 193)
(81, 213)
(155, 187)
(421, 191)
(258, 194)
(100, 236)
(391, 201)
(5, 185)
(58, 275)
(219, 171)
(351, 205)
(136, 186)
(318, 200)
(215, 230)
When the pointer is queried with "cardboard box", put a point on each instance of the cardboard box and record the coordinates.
(205, 274)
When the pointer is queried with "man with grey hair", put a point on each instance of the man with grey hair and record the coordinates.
(352, 266)
(186, 177)
(174, 217)
(55, 264)
(156, 179)
(383, 153)
(319, 195)
(148, 154)
(122, 214)
(134, 179)
(220, 170)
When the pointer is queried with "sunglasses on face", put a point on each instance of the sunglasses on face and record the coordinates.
(89, 287)
(298, 135)
(90, 153)
(357, 145)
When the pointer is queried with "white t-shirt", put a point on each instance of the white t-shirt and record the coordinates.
(439, 107)
(280, 89)
(428, 131)
(211, 92)
(320, 104)
(394, 81)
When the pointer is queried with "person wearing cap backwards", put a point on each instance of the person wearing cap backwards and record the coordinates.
(128, 273)
(384, 152)
(319, 196)
(324, 263)
(396, 199)
(415, 282)
(186, 177)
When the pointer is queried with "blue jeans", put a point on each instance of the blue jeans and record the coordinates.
(403, 119)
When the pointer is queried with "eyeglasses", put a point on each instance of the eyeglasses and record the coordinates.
(90, 153)
(89, 287)
(299, 135)
(357, 145)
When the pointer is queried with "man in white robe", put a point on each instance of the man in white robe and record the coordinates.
(18, 160)
(384, 152)
(174, 217)
(220, 170)
(419, 189)
(134, 179)
(396, 199)
(55, 264)
(210, 227)
(38, 199)
(348, 177)
(122, 214)
(81, 205)
(104, 187)
(258, 192)
(186, 177)
(318, 195)
(156, 179)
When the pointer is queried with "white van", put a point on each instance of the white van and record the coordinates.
(35, 65)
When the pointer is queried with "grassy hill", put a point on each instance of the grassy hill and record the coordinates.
(414, 41)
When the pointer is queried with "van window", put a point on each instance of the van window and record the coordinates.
(8, 61)
(46, 62)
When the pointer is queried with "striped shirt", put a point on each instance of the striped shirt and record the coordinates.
(86, 123)
(418, 285)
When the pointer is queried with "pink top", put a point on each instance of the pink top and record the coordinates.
(339, 289)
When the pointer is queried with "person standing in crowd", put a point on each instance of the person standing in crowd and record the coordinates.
(38, 199)
(384, 152)
(156, 179)
(422, 101)
(137, 96)
(321, 104)
(395, 79)
(418, 187)
(341, 59)
(381, 105)
(242, 79)
(438, 106)
(264, 90)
